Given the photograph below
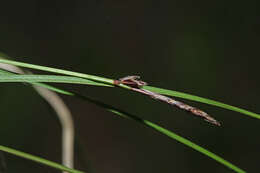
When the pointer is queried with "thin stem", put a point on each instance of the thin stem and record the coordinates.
(66, 72)
(37, 159)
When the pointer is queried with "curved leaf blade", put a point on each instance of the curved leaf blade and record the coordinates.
(147, 123)
(38, 159)
(166, 132)
(151, 88)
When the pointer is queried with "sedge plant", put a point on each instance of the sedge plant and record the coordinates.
(65, 76)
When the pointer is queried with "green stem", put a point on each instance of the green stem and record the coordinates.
(66, 72)
(38, 159)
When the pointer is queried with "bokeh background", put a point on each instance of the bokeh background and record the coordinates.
(205, 48)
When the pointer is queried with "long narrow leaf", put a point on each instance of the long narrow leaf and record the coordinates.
(38, 159)
(166, 132)
(202, 100)
(151, 125)
(4, 72)
(49, 79)
(60, 71)
(150, 88)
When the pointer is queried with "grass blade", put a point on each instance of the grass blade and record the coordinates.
(48, 79)
(151, 125)
(166, 132)
(150, 88)
(4, 72)
(202, 100)
(38, 159)
(61, 71)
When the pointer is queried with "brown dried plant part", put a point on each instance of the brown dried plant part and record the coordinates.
(136, 84)
(132, 81)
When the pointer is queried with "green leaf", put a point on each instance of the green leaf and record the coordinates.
(202, 100)
(166, 132)
(48, 79)
(147, 123)
(150, 88)
(154, 89)
(38, 159)
(64, 72)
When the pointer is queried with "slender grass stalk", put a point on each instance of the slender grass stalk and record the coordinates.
(37, 159)
(152, 125)
(49, 79)
(4, 72)
(202, 100)
(164, 131)
(110, 82)
(65, 72)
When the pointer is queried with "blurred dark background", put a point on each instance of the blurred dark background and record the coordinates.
(206, 48)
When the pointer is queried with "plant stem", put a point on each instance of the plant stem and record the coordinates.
(66, 72)
(38, 159)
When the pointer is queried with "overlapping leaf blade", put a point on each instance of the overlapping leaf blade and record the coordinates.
(142, 121)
